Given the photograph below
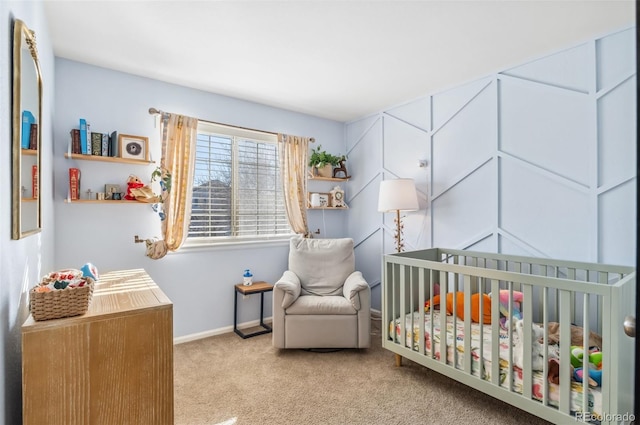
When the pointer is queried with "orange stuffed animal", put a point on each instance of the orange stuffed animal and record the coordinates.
(475, 306)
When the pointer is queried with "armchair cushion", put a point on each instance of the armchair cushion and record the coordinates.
(352, 287)
(290, 285)
(322, 265)
(314, 304)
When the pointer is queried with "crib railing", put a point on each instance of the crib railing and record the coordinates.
(586, 295)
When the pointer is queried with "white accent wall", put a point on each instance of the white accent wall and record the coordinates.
(538, 159)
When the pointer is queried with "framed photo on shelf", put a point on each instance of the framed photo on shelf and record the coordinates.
(110, 189)
(133, 147)
(319, 200)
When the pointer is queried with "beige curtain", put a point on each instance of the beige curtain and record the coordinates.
(178, 154)
(293, 152)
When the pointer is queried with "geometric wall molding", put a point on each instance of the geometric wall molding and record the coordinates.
(538, 159)
(446, 104)
(547, 127)
(614, 60)
(616, 134)
(414, 113)
(356, 130)
(567, 69)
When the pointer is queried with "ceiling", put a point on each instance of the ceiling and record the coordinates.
(339, 60)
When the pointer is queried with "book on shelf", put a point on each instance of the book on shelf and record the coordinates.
(34, 182)
(75, 141)
(113, 144)
(27, 120)
(89, 144)
(33, 137)
(96, 143)
(83, 136)
(74, 184)
(105, 144)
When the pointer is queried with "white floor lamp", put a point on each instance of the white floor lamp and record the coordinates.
(398, 195)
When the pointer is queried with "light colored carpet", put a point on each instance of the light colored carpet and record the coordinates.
(225, 380)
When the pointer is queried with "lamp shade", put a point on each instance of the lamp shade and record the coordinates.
(399, 194)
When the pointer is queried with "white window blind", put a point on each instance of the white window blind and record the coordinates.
(237, 191)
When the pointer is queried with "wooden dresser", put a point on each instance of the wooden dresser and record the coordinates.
(112, 365)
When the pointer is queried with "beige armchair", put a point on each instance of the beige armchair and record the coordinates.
(321, 301)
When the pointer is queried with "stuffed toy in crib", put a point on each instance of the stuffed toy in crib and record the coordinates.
(537, 348)
(475, 306)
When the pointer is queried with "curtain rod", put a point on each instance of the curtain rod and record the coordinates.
(154, 111)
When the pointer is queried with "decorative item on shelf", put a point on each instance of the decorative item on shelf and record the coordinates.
(109, 190)
(341, 169)
(34, 182)
(319, 200)
(74, 184)
(337, 198)
(314, 200)
(134, 147)
(322, 162)
(398, 195)
(133, 182)
(247, 277)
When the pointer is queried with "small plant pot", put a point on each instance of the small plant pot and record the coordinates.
(326, 171)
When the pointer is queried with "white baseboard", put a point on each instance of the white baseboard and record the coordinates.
(219, 331)
(376, 314)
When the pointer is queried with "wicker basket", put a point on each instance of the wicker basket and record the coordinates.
(61, 303)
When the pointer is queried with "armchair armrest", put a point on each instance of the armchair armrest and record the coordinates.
(289, 284)
(352, 287)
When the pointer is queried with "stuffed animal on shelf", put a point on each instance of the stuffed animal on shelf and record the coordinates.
(133, 182)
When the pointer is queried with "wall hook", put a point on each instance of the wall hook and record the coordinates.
(137, 239)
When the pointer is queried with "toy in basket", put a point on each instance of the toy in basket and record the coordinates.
(64, 293)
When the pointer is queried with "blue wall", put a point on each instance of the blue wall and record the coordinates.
(198, 281)
(535, 160)
(23, 261)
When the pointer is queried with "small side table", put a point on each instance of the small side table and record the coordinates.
(255, 288)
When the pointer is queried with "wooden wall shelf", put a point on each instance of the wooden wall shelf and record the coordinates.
(327, 208)
(105, 201)
(329, 179)
(107, 159)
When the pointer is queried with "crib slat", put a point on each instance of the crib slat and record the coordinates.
(565, 348)
(527, 366)
(481, 288)
(495, 333)
(545, 324)
(510, 332)
(431, 324)
(444, 286)
(402, 313)
(468, 358)
(421, 284)
(585, 359)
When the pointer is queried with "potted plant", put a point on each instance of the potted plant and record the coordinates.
(323, 162)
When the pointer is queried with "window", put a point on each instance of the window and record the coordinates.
(237, 191)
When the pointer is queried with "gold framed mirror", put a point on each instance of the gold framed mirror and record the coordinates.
(26, 217)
